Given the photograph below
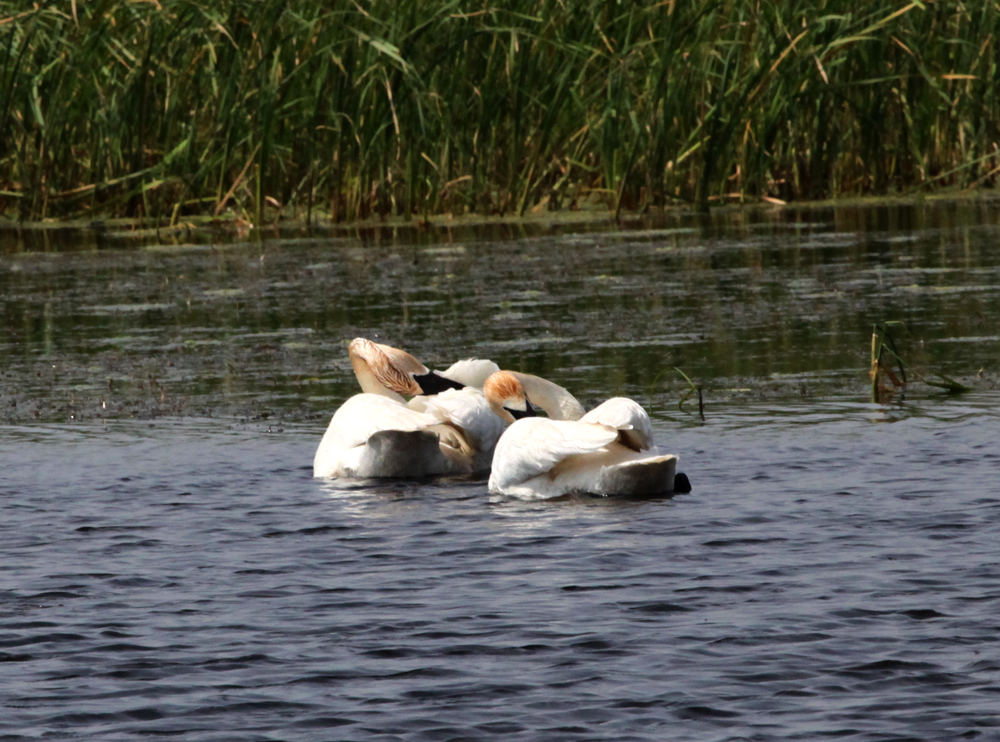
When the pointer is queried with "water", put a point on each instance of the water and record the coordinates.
(169, 567)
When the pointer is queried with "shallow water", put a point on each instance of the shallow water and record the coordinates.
(169, 567)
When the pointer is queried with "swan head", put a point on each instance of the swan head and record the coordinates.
(506, 396)
(391, 372)
(382, 369)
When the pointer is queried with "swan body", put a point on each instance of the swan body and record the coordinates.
(606, 451)
(374, 436)
(447, 428)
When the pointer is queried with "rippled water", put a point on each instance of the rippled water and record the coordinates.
(169, 567)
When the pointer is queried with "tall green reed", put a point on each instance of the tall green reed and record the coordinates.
(259, 107)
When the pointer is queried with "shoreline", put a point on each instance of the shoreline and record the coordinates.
(200, 226)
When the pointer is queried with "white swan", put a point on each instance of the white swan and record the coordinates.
(447, 428)
(604, 452)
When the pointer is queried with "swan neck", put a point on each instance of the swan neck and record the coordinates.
(558, 403)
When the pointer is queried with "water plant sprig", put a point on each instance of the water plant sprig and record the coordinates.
(692, 389)
(884, 355)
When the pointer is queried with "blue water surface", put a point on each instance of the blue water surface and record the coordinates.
(833, 574)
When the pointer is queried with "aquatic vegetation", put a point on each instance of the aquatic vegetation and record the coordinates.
(692, 389)
(255, 110)
(885, 354)
(885, 382)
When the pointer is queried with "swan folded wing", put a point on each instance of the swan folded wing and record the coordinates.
(628, 418)
(532, 447)
(468, 410)
(363, 415)
(452, 440)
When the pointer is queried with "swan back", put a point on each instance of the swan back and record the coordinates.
(628, 418)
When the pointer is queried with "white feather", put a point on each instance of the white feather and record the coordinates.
(374, 436)
(628, 417)
(471, 371)
(542, 458)
(378, 434)
(468, 409)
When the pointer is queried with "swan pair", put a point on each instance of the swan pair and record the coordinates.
(456, 419)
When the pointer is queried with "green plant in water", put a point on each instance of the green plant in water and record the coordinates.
(885, 383)
(885, 355)
(692, 389)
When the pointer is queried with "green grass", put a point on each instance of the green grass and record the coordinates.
(166, 108)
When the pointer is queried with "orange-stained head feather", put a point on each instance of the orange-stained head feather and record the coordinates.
(391, 367)
(500, 388)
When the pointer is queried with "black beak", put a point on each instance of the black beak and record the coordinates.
(435, 383)
(528, 411)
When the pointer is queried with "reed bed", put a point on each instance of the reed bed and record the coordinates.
(266, 108)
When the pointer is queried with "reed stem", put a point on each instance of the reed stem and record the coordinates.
(367, 108)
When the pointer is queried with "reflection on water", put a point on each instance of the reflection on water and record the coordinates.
(752, 303)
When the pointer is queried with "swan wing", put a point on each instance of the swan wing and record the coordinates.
(532, 447)
(468, 410)
(357, 420)
(626, 416)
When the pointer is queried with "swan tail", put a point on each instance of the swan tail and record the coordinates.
(405, 454)
(647, 476)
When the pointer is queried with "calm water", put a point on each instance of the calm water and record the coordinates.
(169, 567)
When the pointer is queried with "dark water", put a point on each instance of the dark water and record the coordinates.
(170, 569)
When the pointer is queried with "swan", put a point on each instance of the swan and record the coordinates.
(606, 451)
(447, 428)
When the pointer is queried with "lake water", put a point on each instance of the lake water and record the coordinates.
(170, 568)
